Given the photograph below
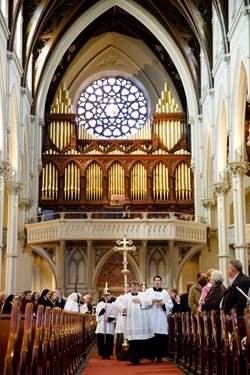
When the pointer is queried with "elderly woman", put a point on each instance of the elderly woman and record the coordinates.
(215, 294)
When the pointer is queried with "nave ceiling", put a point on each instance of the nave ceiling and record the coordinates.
(46, 22)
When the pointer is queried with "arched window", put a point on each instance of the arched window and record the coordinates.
(112, 108)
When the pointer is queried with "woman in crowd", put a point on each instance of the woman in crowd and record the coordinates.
(8, 304)
(214, 296)
(44, 299)
(34, 300)
(73, 302)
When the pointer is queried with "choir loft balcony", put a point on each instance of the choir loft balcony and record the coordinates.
(163, 226)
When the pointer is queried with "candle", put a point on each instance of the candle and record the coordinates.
(106, 288)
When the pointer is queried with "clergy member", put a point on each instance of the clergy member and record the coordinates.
(106, 318)
(162, 305)
(138, 328)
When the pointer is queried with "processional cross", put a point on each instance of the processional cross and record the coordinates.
(125, 246)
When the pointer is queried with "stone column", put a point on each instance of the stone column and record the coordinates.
(4, 166)
(14, 188)
(143, 261)
(173, 262)
(221, 190)
(238, 170)
(208, 204)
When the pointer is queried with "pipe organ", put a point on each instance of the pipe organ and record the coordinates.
(151, 168)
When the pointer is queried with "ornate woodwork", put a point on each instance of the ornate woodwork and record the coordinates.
(150, 169)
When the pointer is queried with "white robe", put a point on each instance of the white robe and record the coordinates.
(137, 324)
(111, 312)
(158, 315)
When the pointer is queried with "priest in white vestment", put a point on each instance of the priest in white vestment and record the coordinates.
(137, 324)
(162, 305)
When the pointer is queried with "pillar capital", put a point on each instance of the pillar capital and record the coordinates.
(14, 186)
(208, 203)
(238, 168)
(221, 188)
(4, 167)
(25, 203)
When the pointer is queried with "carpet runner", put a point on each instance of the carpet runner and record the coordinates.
(99, 366)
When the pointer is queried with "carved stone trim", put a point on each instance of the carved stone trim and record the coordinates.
(22, 238)
(4, 167)
(238, 168)
(25, 203)
(208, 203)
(221, 188)
(14, 186)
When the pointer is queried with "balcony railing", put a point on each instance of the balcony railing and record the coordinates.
(111, 226)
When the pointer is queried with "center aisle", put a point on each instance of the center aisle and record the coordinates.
(99, 366)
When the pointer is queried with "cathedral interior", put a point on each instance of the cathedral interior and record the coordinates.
(122, 121)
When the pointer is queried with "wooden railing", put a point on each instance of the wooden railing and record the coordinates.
(206, 344)
(53, 342)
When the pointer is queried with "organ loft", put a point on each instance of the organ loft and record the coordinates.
(149, 170)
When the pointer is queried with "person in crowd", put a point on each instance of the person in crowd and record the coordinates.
(85, 306)
(214, 295)
(60, 301)
(173, 293)
(206, 288)
(232, 297)
(44, 299)
(184, 299)
(7, 307)
(143, 287)
(53, 297)
(34, 299)
(3, 297)
(161, 306)
(73, 302)
(177, 305)
(138, 328)
(27, 294)
(195, 292)
(106, 317)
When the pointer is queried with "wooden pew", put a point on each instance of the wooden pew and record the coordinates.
(177, 337)
(200, 344)
(36, 365)
(239, 355)
(14, 340)
(207, 344)
(194, 336)
(184, 354)
(247, 324)
(28, 335)
(171, 343)
(52, 343)
(189, 348)
(215, 347)
(226, 353)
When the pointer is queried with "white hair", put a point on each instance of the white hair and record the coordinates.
(216, 275)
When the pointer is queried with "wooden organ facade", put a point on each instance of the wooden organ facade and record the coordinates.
(151, 169)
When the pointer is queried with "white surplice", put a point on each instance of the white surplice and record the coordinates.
(158, 314)
(111, 312)
(137, 324)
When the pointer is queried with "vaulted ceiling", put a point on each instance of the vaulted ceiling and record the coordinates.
(188, 22)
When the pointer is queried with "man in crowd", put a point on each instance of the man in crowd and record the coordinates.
(184, 299)
(232, 297)
(195, 292)
(162, 305)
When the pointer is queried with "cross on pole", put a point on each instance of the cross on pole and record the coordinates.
(125, 246)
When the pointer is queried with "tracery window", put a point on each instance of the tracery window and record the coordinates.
(112, 108)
